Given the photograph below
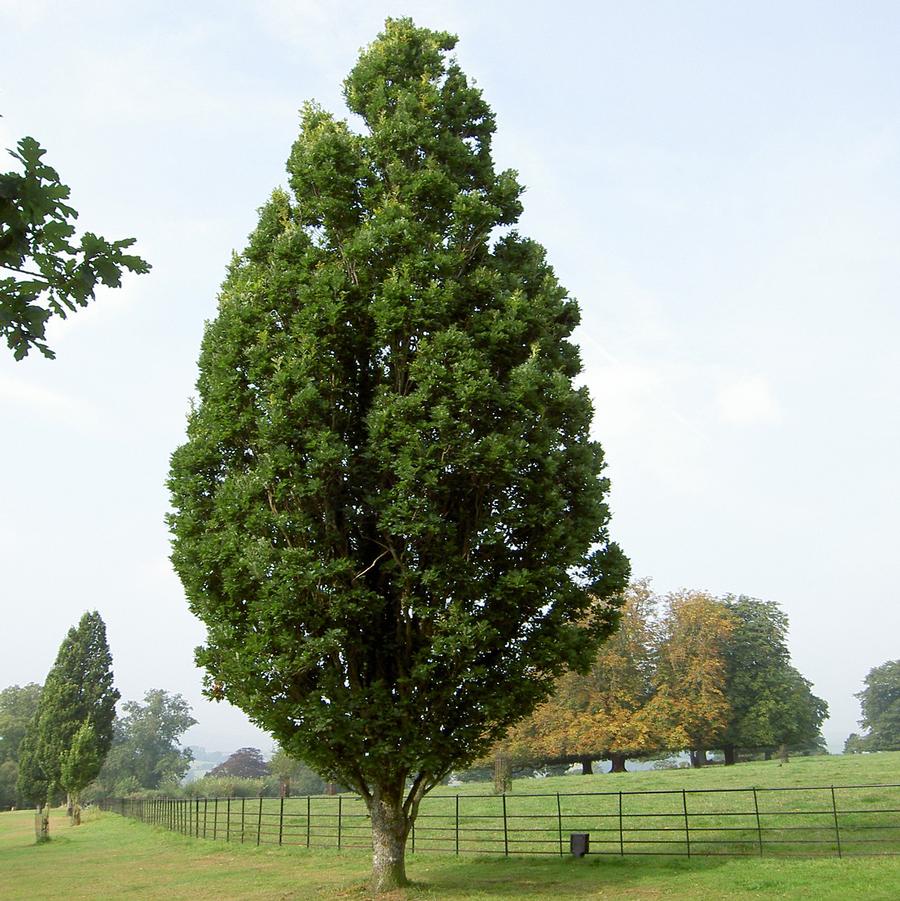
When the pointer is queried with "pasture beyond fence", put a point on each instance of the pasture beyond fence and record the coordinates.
(838, 820)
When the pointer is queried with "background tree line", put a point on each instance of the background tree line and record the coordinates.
(684, 672)
(687, 671)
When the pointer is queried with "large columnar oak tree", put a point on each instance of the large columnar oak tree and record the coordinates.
(388, 511)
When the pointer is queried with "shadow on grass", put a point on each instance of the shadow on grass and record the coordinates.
(568, 878)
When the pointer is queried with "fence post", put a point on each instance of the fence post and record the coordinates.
(457, 824)
(559, 823)
(215, 817)
(505, 832)
(259, 822)
(339, 826)
(837, 830)
(228, 820)
(687, 834)
(621, 829)
(205, 810)
(243, 807)
(280, 820)
(758, 823)
(196, 818)
(308, 811)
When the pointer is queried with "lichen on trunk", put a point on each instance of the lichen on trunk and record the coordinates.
(390, 828)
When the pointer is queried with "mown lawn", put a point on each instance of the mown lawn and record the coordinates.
(111, 857)
(756, 809)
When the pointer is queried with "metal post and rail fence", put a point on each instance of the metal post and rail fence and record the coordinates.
(839, 820)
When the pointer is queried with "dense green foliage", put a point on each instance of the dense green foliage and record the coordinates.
(146, 752)
(18, 705)
(771, 703)
(81, 763)
(51, 275)
(880, 701)
(295, 777)
(78, 689)
(389, 512)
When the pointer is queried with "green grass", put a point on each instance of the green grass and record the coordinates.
(112, 857)
(785, 815)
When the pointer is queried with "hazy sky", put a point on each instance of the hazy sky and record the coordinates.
(717, 183)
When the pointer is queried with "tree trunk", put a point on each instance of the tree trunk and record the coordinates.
(617, 762)
(42, 823)
(390, 827)
(76, 814)
(698, 757)
(586, 767)
(783, 754)
(730, 755)
(767, 754)
(502, 773)
(70, 809)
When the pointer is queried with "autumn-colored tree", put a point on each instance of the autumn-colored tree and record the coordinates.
(612, 712)
(691, 671)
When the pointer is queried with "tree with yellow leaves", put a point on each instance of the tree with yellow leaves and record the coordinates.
(691, 671)
(612, 711)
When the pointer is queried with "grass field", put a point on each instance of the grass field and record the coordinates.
(112, 857)
(761, 809)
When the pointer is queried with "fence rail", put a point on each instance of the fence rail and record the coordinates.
(839, 820)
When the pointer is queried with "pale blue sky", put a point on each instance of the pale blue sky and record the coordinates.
(717, 183)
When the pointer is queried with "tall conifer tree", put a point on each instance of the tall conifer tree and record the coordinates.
(389, 512)
(79, 689)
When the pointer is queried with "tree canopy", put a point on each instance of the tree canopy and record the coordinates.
(247, 763)
(78, 699)
(691, 669)
(146, 750)
(609, 712)
(686, 672)
(295, 776)
(50, 275)
(389, 511)
(880, 701)
(771, 703)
